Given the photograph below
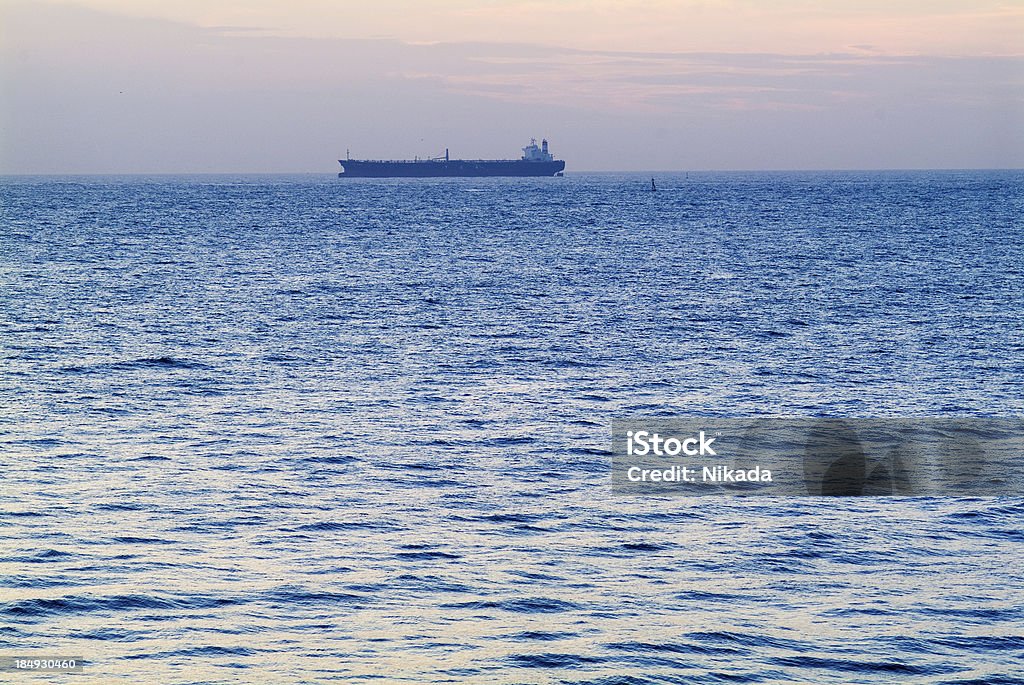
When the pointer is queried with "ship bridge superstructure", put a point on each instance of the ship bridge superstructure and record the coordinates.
(532, 153)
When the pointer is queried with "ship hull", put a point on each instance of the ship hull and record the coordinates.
(351, 168)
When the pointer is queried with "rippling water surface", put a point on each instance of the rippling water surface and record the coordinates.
(296, 429)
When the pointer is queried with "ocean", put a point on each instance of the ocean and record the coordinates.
(297, 429)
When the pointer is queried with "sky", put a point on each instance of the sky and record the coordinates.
(192, 86)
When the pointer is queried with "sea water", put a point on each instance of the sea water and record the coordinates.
(301, 429)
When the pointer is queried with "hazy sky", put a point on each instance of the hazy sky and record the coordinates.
(126, 86)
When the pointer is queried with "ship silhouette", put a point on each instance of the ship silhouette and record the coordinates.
(536, 161)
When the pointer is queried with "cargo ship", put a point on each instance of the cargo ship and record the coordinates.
(536, 161)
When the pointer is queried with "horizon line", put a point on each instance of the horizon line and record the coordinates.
(582, 172)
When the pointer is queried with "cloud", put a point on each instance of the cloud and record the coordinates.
(90, 91)
(937, 27)
(708, 81)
